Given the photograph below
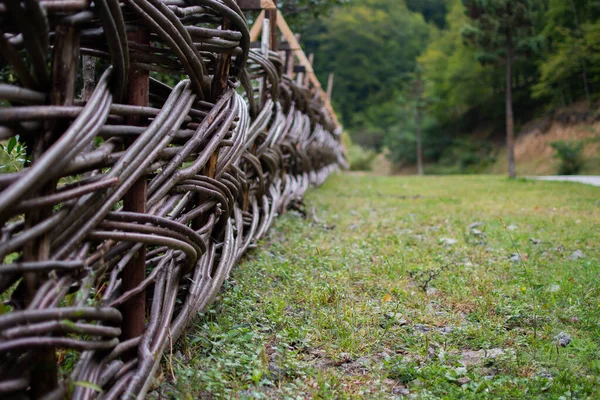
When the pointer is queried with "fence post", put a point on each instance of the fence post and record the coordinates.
(218, 87)
(329, 86)
(134, 309)
(273, 35)
(64, 68)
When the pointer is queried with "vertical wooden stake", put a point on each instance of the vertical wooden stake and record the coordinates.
(289, 63)
(311, 59)
(264, 48)
(64, 69)
(265, 38)
(300, 79)
(329, 86)
(218, 88)
(273, 34)
(219, 83)
(89, 76)
(290, 56)
(134, 309)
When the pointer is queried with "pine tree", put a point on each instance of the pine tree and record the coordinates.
(570, 60)
(502, 30)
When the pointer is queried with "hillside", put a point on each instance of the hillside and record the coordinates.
(535, 155)
(533, 150)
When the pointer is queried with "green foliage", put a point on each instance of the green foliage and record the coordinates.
(569, 64)
(498, 27)
(433, 11)
(13, 155)
(401, 370)
(298, 13)
(371, 46)
(376, 48)
(465, 156)
(452, 74)
(360, 159)
(570, 156)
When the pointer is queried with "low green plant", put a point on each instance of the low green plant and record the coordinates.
(465, 156)
(361, 159)
(570, 156)
(12, 155)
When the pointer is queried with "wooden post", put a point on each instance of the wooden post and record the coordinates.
(218, 88)
(257, 27)
(329, 86)
(265, 38)
(274, 40)
(134, 309)
(289, 63)
(311, 59)
(300, 79)
(219, 83)
(89, 76)
(64, 69)
(264, 48)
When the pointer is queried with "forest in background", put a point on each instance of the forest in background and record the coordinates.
(440, 65)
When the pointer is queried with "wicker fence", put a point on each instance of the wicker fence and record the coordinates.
(148, 148)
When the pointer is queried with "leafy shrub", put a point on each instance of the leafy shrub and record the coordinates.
(570, 156)
(464, 156)
(360, 159)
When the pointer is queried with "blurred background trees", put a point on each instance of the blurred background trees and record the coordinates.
(459, 50)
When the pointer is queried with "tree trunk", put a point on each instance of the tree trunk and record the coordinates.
(419, 145)
(585, 84)
(510, 124)
(584, 76)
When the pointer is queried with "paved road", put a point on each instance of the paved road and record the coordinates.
(588, 180)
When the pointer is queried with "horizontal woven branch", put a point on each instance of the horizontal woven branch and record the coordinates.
(157, 144)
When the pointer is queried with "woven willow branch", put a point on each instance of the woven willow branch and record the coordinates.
(159, 145)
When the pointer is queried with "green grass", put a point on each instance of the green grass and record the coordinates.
(365, 301)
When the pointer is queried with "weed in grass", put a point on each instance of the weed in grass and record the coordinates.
(425, 277)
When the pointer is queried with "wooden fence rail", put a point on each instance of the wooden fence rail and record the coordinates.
(146, 148)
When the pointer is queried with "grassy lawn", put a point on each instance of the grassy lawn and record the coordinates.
(437, 287)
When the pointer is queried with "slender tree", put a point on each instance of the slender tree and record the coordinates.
(419, 103)
(502, 30)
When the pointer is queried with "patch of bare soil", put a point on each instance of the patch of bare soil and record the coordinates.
(534, 152)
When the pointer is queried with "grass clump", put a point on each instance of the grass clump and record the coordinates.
(437, 287)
